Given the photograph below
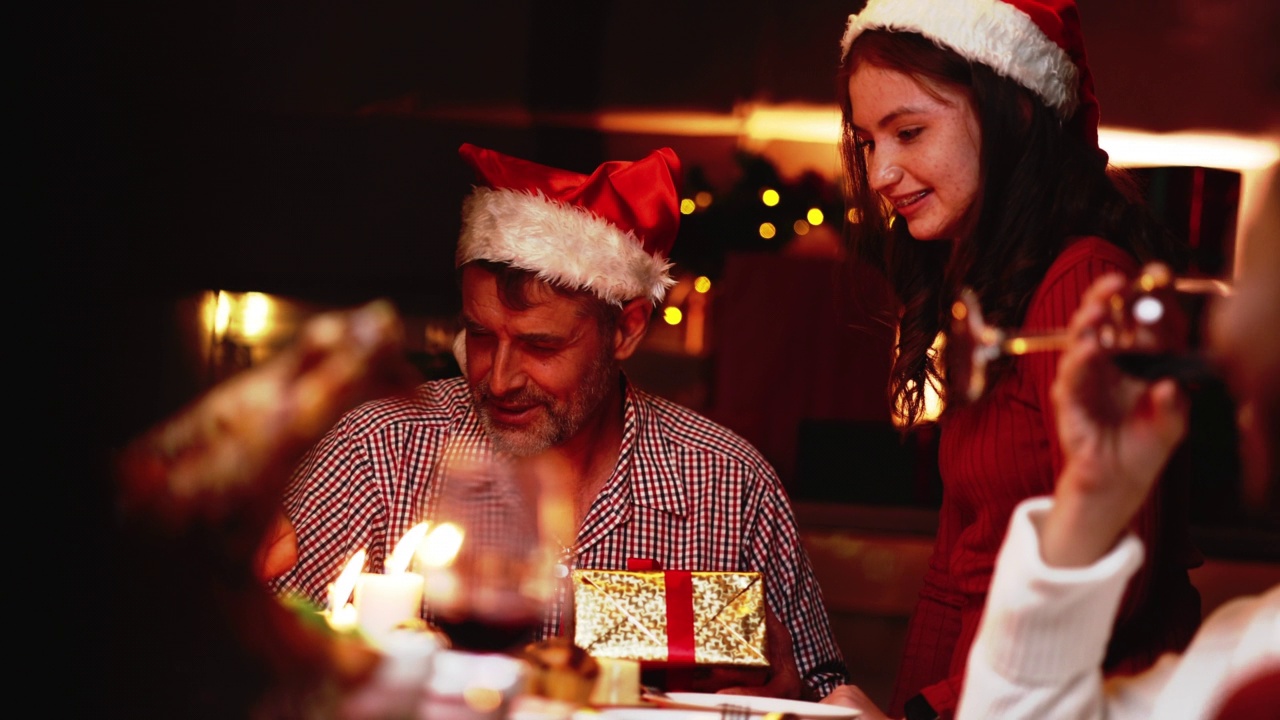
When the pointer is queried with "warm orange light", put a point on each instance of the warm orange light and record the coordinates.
(1137, 148)
(344, 619)
(933, 405)
(702, 283)
(703, 199)
(244, 318)
(687, 206)
(482, 699)
(340, 591)
(255, 315)
(767, 231)
(440, 546)
(800, 227)
(405, 549)
(222, 315)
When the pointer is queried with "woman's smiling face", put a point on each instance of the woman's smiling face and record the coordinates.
(922, 147)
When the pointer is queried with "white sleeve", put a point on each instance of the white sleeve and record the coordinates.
(1039, 649)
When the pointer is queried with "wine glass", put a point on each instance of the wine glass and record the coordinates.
(1149, 332)
(488, 565)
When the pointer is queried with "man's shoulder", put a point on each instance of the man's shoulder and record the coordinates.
(432, 402)
(684, 426)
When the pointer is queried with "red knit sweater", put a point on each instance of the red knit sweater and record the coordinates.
(1003, 449)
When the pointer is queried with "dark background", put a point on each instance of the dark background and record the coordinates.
(191, 137)
(299, 148)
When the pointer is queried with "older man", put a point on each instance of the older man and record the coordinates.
(560, 273)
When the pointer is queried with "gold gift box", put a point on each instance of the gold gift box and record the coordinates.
(671, 617)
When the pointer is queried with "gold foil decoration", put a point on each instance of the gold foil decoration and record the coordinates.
(623, 614)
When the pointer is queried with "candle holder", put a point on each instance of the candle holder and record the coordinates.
(1149, 331)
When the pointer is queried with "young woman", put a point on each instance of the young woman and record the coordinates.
(971, 153)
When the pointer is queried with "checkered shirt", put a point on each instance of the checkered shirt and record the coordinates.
(686, 492)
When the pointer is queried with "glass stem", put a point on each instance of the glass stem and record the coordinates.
(1034, 342)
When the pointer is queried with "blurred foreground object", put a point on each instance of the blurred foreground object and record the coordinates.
(191, 629)
(561, 670)
(1152, 332)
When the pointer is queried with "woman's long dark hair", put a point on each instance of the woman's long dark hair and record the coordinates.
(1040, 186)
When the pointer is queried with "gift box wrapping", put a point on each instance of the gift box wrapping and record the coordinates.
(675, 617)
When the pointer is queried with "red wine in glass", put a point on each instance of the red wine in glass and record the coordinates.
(489, 587)
(1151, 333)
(489, 634)
(1185, 368)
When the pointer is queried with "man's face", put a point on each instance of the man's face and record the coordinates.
(536, 375)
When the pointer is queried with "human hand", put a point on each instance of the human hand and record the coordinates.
(1116, 433)
(851, 696)
(279, 550)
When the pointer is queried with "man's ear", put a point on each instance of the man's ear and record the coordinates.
(460, 350)
(633, 323)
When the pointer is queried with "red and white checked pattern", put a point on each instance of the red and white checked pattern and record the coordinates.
(686, 492)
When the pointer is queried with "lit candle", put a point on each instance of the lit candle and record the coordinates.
(384, 601)
(343, 619)
(340, 613)
(404, 550)
(434, 556)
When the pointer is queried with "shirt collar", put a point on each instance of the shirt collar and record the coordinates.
(645, 462)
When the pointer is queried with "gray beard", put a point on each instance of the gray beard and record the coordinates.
(559, 421)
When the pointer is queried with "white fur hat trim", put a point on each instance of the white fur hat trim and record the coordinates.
(992, 32)
(564, 244)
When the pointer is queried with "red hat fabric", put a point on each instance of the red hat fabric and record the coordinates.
(609, 232)
(1036, 43)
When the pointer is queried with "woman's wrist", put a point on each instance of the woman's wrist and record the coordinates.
(1086, 521)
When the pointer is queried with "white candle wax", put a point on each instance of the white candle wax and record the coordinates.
(384, 601)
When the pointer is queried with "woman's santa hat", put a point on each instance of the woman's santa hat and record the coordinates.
(609, 233)
(1036, 43)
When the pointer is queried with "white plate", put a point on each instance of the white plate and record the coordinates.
(643, 713)
(757, 705)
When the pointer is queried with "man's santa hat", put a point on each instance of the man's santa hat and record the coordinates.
(609, 232)
(1036, 43)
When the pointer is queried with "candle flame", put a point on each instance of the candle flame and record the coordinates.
(441, 545)
(403, 553)
(341, 590)
(344, 618)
